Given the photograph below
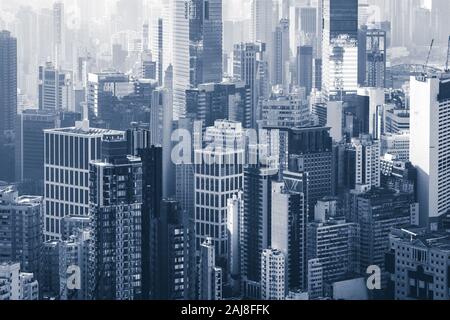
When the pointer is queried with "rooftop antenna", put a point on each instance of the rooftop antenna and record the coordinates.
(448, 56)
(428, 58)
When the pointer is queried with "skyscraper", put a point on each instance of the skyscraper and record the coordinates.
(30, 128)
(310, 150)
(115, 197)
(173, 252)
(429, 145)
(249, 65)
(288, 231)
(305, 68)
(256, 225)
(55, 89)
(372, 58)
(197, 47)
(217, 101)
(281, 54)
(340, 50)
(66, 163)
(262, 22)
(218, 176)
(59, 34)
(8, 81)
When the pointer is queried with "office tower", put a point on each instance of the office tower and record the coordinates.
(59, 34)
(161, 127)
(418, 265)
(262, 22)
(367, 164)
(181, 57)
(66, 162)
(218, 101)
(197, 47)
(428, 146)
(273, 275)
(284, 109)
(235, 216)
(332, 253)
(173, 252)
(138, 144)
(30, 126)
(210, 276)
(17, 285)
(305, 68)
(116, 200)
(250, 66)
(152, 182)
(377, 212)
(8, 81)
(75, 251)
(310, 150)
(218, 176)
(288, 231)
(21, 227)
(340, 49)
(372, 58)
(157, 40)
(281, 54)
(256, 225)
(205, 34)
(55, 89)
(103, 91)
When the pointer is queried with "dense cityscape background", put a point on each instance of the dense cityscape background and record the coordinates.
(225, 150)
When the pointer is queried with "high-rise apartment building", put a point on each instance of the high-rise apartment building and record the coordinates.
(210, 276)
(17, 285)
(273, 275)
(21, 227)
(332, 253)
(115, 198)
(288, 231)
(256, 224)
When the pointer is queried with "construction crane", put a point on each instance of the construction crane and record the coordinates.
(448, 56)
(428, 58)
